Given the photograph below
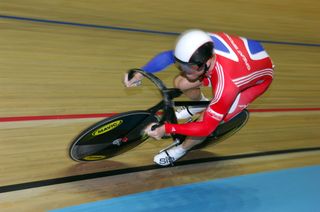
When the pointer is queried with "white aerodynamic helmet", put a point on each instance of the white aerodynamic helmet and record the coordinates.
(193, 47)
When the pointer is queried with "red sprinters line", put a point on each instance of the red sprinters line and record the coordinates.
(104, 115)
(52, 117)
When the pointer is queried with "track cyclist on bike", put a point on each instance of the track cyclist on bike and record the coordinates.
(238, 69)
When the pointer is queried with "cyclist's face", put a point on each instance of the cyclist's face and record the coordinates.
(190, 68)
(195, 73)
(192, 71)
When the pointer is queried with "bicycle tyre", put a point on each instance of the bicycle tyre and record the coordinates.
(111, 136)
(225, 130)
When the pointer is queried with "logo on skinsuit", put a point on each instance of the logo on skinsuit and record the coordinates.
(107, 128)
(94, 157)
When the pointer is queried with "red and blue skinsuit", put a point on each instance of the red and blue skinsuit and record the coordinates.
(242, 72)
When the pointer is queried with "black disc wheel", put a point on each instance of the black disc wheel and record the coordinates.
(111, 136)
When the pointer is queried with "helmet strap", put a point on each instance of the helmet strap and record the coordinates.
(206, 67)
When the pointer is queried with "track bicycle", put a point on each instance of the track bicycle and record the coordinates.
(122, 132)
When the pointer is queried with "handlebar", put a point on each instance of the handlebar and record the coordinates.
(167, 94)
(168, 107)
(171, 92)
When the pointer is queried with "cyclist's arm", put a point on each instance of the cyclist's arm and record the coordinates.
(159, 62)
(224, 96)
(213, 115)
(198, 129)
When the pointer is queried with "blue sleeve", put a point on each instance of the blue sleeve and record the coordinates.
(159, 62)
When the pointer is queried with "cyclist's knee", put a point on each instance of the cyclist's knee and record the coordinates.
(183, 84)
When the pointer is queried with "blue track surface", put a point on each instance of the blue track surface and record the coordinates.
(286, 190)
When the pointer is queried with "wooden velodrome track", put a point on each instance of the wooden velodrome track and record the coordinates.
(62, 68)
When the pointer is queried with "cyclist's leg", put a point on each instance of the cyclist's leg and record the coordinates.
(246, 97)
(190, 141)
(173, 154)
(192, 91)
(241, 102)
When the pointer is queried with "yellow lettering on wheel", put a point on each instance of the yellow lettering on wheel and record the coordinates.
(94, 157)
(107, 128)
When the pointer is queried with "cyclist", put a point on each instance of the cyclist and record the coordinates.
(238, 69)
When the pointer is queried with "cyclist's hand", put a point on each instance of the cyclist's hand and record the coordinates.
(135, 81)
(156, 133)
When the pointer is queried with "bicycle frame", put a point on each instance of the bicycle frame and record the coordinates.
(167, 104)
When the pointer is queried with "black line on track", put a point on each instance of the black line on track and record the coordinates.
(48, 182)
(106, 27)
